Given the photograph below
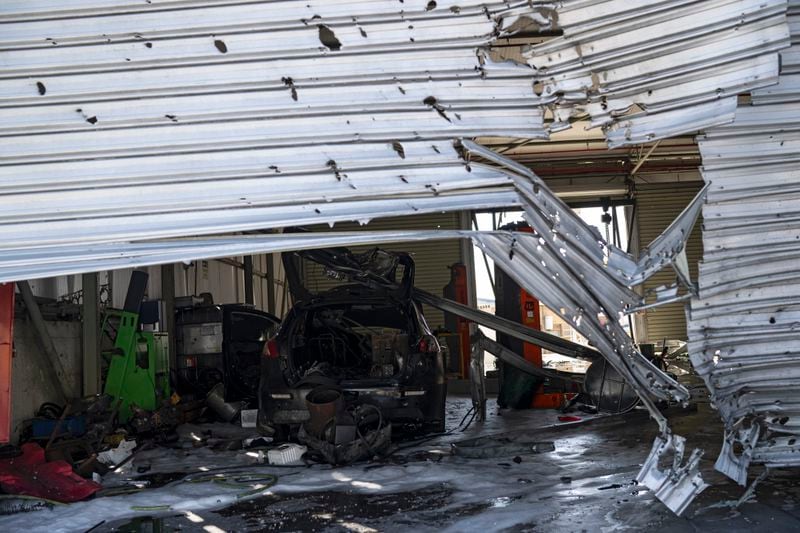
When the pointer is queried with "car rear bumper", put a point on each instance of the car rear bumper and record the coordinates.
(401, 404)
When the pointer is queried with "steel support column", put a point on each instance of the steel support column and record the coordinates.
(271, 283)
(248, 279)
(168, 297)
(6, 352)
(91, 334)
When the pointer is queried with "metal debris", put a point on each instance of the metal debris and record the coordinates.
(500, 446)
(650, 70)
(131, 176)
(678, 485)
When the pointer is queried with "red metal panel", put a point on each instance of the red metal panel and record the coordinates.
(6, 346)
(459, 279)
(531, 317)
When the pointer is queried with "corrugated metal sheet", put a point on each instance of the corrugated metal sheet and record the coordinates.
(743, 327)
(649, 69)
(656, 207)
(37, 263)
(573, 271)
(127, 121)
(431, 257)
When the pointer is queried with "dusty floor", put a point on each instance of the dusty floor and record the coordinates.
(586, 484)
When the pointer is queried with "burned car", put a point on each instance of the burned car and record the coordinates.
(366, 339)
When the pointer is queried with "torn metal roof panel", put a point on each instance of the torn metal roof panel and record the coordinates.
(640, 128)
(649, 70)
(64, 259)
(786, 90)
(222, 164)
(460, 94)
(213, 221)
(285, 131)
(124, 121)
(247, 192)
(233, 11)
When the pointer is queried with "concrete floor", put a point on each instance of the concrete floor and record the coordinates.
(586, 484)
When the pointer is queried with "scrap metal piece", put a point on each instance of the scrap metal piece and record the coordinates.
(555, 216)
(681, 268)
(558, 224)
(500, 446)
(566, 264)
(484, 343)
(669, 248)
(513, 329)
(575, 302)
(728, 463)
(477, 381)
(664, 295)
(682, 482)
(648, 70)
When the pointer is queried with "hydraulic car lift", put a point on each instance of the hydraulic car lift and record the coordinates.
(138, 371)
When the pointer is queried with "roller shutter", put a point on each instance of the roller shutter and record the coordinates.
(126, 122)
(431, 259)
(657, 206)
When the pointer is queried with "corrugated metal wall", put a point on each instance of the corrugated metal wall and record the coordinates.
(430, 258)
(744, 339)
(657, 206)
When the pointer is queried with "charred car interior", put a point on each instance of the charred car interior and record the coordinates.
(365, 341)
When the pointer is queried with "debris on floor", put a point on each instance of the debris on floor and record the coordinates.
(193, 478)
(286, 454)
(116, 455)
(30, 474)
(343, 434)
(501, 446)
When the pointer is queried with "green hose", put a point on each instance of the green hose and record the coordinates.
(150, 508)
(237, 481)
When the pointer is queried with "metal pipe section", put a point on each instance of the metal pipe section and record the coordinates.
(517, 361)
(248, 279)
(518, 331)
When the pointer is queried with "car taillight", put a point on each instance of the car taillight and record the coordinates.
(271, 349)
(428, 344)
